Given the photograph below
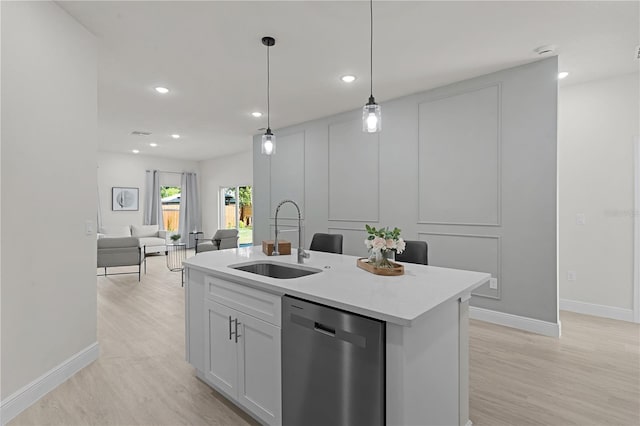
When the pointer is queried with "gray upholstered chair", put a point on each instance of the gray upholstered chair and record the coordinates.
(120, 251)
(328, 243)
(222, 239)
(414, 252)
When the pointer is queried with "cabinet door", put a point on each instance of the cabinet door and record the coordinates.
(259, 378)
(221, 359)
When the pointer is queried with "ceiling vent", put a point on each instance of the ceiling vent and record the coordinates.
(139, 133)
(546, 50)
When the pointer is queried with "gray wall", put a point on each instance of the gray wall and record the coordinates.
(470, 168)
(49, 128)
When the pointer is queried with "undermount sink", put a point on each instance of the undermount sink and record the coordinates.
(275, 270)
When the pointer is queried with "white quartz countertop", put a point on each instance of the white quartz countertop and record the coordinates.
(341, 284)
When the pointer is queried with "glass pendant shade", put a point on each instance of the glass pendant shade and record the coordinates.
(371, 118)
(268, 143)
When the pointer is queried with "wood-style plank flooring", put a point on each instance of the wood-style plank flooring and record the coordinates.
(591, 376)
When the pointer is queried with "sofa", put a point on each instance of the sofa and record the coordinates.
(151, 239)
(222, 239)
(119, 251)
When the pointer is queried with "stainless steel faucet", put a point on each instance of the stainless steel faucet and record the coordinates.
(302, 255)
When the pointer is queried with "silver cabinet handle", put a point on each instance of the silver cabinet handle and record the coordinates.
(230, 333)
(237, 334)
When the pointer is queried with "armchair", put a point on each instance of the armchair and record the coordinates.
(119, 251)
(222, 239)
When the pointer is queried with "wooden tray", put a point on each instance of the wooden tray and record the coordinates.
(397, 270)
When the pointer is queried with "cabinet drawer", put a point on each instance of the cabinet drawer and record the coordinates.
(257, 303)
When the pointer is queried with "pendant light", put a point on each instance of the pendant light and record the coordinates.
(268, 139)
(371, 113)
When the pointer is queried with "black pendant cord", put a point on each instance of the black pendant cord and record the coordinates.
(371, 47)
(268, 92)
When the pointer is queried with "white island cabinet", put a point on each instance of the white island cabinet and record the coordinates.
(233, 330)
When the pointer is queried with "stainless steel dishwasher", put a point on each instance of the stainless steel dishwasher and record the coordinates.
(333, 366)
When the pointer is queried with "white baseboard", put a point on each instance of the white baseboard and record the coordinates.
(514, 321)
(597, 310)
(26, 396)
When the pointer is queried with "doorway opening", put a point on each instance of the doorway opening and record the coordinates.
(170, 196)
(237, 212)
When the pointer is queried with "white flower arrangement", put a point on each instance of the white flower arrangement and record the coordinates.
(383, 240)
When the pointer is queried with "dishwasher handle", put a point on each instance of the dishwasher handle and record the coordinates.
(327, 331)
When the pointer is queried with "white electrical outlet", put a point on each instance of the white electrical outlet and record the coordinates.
(581, 219)
(88, 227)
(493, 283)
(571, 275)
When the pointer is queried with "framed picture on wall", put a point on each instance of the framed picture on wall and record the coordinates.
(124, 199)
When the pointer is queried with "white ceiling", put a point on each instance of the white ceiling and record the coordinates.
(210, 55)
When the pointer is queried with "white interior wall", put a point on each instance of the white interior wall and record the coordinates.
(128, 170)
(49, 117)
(469, 167)
(598, 121)
(228, 171)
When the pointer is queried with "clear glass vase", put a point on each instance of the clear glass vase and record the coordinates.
(382, 259)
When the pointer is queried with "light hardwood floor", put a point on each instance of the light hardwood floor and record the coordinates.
(591, 376)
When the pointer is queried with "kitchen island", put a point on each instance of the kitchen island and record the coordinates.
(233, 323)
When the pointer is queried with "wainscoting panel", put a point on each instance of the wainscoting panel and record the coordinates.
(287, 175)
(469, 167)
(287, 232)
(460, 158)
(352, 240)
(354, 162)
(480, 253)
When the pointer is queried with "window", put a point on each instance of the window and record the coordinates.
(237, 212)
(170, 196)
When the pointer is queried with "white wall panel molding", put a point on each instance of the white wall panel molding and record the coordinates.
(454, 133)
(287, 232)
(532, 325)
(353, 240)
(289, 182)
(354, 163)
(497, 177)
(476, 263)
(28, 395)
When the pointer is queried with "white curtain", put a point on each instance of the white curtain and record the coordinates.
(152, 200)
(189, 207)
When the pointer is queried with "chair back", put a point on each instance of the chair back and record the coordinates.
(225, 238)
(328, 243)
(414, 252)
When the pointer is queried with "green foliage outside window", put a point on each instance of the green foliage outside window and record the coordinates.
(245, 195)
(167, 191)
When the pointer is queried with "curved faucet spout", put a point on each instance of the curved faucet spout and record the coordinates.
(301, 253)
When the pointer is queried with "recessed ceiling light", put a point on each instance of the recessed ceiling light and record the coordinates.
(162, 90)
(175, 136)
(135, 151)
(348, 78)
(153, 144)
(562, 75)
(256, 114)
